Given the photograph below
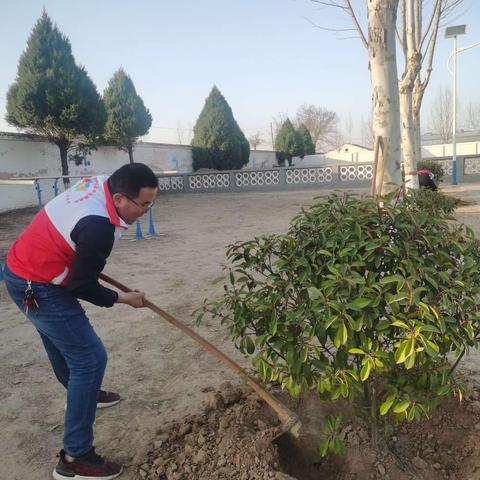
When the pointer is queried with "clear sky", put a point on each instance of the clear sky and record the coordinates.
(264, 55)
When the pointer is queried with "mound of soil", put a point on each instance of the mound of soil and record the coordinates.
(231, 439)
(237, 437)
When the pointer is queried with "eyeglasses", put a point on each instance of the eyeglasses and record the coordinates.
(145, 207)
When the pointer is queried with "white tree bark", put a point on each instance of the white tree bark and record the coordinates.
(418, 40)
(417, 37)
(382, 15)
(417, 132)
(408, 140)
(413, 64)
(426, 40)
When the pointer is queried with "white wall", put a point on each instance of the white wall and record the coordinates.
(32, 157)
(351, 153)
(318, 160)
(26, 157)
(22, 156)
(356, 153)
(17, 196)
(445, 150)
(260, 160)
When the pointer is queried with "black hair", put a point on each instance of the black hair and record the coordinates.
(130, 178)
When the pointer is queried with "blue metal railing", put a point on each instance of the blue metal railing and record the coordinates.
(56, 190)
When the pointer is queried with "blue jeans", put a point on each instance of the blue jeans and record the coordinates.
(77, 354)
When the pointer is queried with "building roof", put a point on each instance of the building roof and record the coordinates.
(463, 136)
(347, 144)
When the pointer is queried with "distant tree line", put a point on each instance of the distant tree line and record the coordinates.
(54, 97)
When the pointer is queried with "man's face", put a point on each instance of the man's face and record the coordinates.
(130, 208)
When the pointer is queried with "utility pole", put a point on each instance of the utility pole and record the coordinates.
(453, 32)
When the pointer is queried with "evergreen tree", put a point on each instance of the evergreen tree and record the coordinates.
(127, 116)
(51, 95)
(308, 146)
(288, 143)
(218, 141)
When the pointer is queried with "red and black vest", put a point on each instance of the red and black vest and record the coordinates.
(45, 251)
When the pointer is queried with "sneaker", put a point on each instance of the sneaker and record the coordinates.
(107, 399)
(89, 466)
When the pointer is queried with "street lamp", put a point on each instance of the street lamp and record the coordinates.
(453, 32)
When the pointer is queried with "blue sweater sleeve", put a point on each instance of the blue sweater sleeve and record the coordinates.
(93, 236)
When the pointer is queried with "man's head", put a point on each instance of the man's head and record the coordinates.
(133, 188)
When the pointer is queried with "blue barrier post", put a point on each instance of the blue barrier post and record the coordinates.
(1, 271)
(39, 194)
(138, 230)
(55, 187)
(151, 227)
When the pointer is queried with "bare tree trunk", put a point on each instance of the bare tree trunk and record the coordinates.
(406, 86)
(130, 152)
(382, 15)
(417, 37)
(418, 91)
(440, 8)
(408, 140)
(63, 146)
(418, 137)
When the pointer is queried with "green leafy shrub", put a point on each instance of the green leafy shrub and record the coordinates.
(357, 300)
(433, 202)
(435, 167)
(332, 442)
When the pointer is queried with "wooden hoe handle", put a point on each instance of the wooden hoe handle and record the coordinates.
(286, 416)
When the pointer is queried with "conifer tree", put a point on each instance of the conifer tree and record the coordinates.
(308, 146)
(218, 142)
(127, 116)
(288, 143)
(51, 95)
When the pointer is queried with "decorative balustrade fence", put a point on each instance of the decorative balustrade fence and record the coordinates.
(289, 178)
(273, 179)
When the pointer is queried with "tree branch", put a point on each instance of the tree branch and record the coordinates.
(330, 4)
(403, 28)
(430, 23)
(411, 26)
(349, 8)
(329, 29)
(419, 22)
(449, 6)
(412, 62)
(432, 43)
(349, 38)
(434, 22)
(346, 7)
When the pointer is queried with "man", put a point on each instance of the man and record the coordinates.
(425, 179)
(55, 262)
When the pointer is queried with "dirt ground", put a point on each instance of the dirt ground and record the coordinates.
(237, 437)
(162, 375)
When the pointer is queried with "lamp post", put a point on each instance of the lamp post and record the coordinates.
(453, 32)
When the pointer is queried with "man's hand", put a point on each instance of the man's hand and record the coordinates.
(134, 299)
